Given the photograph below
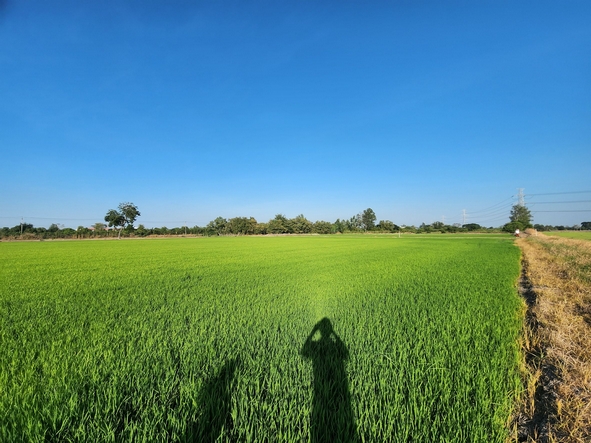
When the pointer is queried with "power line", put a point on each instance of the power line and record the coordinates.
(492, 214)
(571, 201)
(54, 218)
(493, 206)
(577, 210)
(489, 220)
(560, 193)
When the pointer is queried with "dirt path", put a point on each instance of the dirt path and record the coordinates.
(556, 285)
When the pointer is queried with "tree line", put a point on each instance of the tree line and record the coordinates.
(120, 222)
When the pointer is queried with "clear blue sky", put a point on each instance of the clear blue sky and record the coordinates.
(416, 109)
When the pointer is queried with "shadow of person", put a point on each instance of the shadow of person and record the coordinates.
(215, 400)
(332, 416)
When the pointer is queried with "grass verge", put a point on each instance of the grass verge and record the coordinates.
(556, 284)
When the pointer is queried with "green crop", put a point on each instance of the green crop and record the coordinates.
(577, 235)
(259, 339)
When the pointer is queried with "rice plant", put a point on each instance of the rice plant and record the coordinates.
(259, 339)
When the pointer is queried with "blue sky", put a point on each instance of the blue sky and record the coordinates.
(193, 110)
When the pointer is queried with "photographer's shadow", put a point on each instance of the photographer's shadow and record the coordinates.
(332, 415)
(215, 398)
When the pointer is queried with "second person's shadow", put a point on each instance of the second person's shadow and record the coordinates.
(215, 400)
(332, 417)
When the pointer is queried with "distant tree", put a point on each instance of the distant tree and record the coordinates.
(522, 215)
(355, 223)
(322, 227)
(472, 226)
(451, 228)
(511, 227)
(17, 230)
(241, 225)
(67, 233)
(520, 218)
(142, 231)
(252, 226)
(425, 228)
(260, 228)
(301, 225)
(279, 225)
(438, 225)
(130, 213)
(82, 231)
(115, 220)
(586, 225)
(289, 225)
(387, 226)
(126, 215)
(217, 226)
(368, 219)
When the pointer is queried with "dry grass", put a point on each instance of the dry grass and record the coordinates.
(556, 405)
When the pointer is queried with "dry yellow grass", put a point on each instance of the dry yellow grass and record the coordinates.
(556, 405)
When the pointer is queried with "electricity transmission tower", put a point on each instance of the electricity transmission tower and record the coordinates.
(521, 198)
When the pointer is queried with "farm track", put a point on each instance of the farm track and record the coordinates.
(556, 405)
(538, 412)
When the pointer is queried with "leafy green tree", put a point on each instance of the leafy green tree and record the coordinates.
(141, 231)
(260, 228)
(252, 226)
(115, 220)
(67, 233)
(522, 215)
(387, 226)
(130, 213)
(368, 219)
(301, 225)
(586, 225)
(472, 226)
(322, 227)
(99, 229)
(217, 226)
(520, 218)
(82, 231)
(437, 225)
(511, 227)
(126, 215)
(425, 228)
(241, 225)
(339, 226)
(355, 223)
(278, 225)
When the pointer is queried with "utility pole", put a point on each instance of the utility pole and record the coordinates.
(22, 226)
(463, 216)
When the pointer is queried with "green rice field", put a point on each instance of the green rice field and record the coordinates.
(578, 235)
(259, 339)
